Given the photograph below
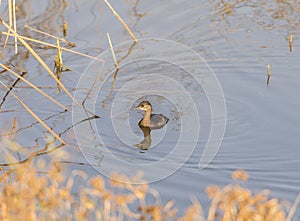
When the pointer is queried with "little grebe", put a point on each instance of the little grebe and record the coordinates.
(153, 121)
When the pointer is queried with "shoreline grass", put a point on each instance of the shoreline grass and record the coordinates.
(50, 196)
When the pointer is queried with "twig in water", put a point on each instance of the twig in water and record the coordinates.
(15, 25)
(65, 27)
(121, 20)
(291, 41)
(293, 209)
(269, 74)
(112, 51)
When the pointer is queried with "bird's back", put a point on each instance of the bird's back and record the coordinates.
(158, 120)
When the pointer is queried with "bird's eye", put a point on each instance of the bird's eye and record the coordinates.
(142, 105)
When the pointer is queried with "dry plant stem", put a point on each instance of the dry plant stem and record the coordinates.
(121, 20)
(291, 42)
(112, 51)
(34, 115)
(47, 34)
(291, 38)
(41, 62)
(10, 13)
(269, 74)
(33, 86)
(53, 46)
(12, 19)
(213, 207)
(13, 130)
(293, 209)
(65, 27)
(15, 26)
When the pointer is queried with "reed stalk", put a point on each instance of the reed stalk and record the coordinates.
(269, 74)
(53, 46)
(52, 36)
(33, 86)
(112, 51)
(121, 20)
(15, 25)
(26, 45)
(34, 115)
(291, 41)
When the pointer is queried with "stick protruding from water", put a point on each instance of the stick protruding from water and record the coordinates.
(269, 73)
(112, 51)
(121, 20)
(291, 41)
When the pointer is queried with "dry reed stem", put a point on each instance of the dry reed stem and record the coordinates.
(269, 74)
(291, 38)
(58, 61)
(34, 115)
(65, 28)
(293, 209)
(112, 51)
(214, 205)
(33, 86)
(12, 19)
(15, 25)
(291, 41)
(121, 20)
(49, 35)
(53, 46)
(269, 71)
(41, 62)
(13, 130)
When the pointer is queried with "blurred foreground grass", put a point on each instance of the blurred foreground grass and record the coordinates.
(31, 195)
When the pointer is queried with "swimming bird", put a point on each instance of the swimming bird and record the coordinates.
(153, 121)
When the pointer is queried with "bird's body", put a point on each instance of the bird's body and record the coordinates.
(153, 121)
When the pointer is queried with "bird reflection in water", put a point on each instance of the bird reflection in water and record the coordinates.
(149, 122)
(146, 143)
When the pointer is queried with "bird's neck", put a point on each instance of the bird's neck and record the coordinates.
(146, 120)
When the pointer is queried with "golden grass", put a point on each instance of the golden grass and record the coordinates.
(234, 202)
(48, 196)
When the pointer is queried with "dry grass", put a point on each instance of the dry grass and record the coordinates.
(234, 202)
(35, 196)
